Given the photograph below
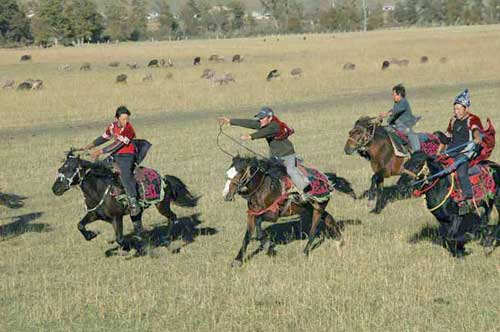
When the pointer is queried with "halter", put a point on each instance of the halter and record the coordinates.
(70, 179)
(245, 179)
(365, 139)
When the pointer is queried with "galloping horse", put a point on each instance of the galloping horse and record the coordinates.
(98, 184)
(372, 142)
(263, 183)
(440, 187)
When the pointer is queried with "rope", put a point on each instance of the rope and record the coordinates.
(102, 200)
(222, 133)
(447, 195)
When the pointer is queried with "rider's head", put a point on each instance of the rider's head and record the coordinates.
(265, 116)
(398, 92)
(461, 104)
(122, 114)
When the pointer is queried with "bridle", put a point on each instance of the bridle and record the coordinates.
(245, 179)
(365, 138)
(77, 172)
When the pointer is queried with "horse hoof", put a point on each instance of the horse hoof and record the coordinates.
(375, 211)
(90, 235)
(488, 250)
(236, 263)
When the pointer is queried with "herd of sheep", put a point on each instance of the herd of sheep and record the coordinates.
(208, 74)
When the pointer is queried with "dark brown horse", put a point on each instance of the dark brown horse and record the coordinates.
(97, 183)
(261, 183)
(372, 142)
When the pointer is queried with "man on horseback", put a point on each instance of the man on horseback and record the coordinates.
(463, 136)
(401, 117)
(123, 152)
(276, 133)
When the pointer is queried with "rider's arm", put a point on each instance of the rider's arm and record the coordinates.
(270, 130)
(112, 148)
(245, 123)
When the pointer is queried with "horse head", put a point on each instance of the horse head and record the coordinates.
(361, 134)
(69, 174)
(239, 175)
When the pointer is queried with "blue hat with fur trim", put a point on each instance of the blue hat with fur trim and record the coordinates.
(463, 99)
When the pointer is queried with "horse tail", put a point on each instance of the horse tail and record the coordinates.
(340, 184)
(178, 192)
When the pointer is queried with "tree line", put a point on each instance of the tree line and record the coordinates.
(70, 22)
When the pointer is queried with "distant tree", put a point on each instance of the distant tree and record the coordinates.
(14, 26)
(455, 11)
(399, 14)
(86, 23)
(168, 23)
(476, 12)
(137, 20)
(411, 12)
(238, 14)
(376, 17)
(117, 20)
(191, 17)
(50, 22)
(493, 11)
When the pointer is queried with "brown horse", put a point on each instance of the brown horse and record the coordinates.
(263, 184)
(372, 142)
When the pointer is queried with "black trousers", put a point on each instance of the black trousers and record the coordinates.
(463, 178)
(126, 163)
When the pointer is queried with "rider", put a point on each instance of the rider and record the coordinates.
(276, 133)
(464, 133)
(123, 152)
(401, 118)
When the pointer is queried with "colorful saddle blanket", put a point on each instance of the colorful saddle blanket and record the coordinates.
(321, 188)
(483, 184)
(429, 143)
(150, 187)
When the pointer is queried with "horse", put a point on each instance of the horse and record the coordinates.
(438, 185)
(373, 143)
(263, 183)
(98, 183)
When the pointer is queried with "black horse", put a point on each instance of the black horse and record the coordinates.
(98, 182)
(261, 183)
(455, 229)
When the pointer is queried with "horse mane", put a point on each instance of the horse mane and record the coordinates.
(99, 168)
(368, 122)
(273, 167)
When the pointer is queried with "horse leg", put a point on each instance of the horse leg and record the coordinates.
(316, 217)
(259, 234)
(333, 228)
(378, 184)
(117, 223)
(493, 231)
(246, 240)
(165, 210)
(87, 219)
(377, 178)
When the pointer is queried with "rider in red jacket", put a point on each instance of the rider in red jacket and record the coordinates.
(123, 152)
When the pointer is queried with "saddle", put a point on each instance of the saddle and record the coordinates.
(321, 190)
(481, 179)
(150, 186)
(429, 143)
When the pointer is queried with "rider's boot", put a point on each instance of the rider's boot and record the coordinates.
(135, 209)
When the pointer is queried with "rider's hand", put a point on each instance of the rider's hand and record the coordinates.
(245, 137)
(383, 115)
(224, 120)
(96, 154)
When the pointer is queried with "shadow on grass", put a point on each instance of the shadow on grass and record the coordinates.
(186, 229)
(22, 224)
(12, 201)
(427, 233)
(296, 230)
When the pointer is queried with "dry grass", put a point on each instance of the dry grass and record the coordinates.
(379, 280)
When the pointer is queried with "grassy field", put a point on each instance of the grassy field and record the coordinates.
(388, 275)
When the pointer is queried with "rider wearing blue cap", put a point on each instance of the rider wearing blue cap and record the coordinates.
(276, 133)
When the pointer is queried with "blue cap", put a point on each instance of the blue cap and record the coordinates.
(264, 113)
